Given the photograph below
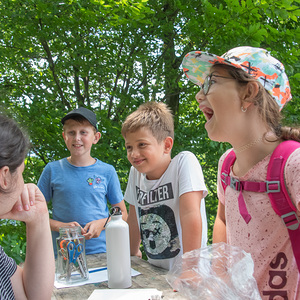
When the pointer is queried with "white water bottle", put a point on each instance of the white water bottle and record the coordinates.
(118, 251)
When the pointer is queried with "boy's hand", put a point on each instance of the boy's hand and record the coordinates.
(71, 224)
(93, 229)
(138, 254)
(55, 225)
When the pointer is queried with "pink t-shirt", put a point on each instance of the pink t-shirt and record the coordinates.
(265, 236)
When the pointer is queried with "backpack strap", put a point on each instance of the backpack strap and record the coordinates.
(274, 186)
(225, 170)
(234, 183)
(281, 201)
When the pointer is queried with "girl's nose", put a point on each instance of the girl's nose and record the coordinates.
(200, 96)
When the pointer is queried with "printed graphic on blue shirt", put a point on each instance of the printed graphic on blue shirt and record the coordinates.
(90, 181)
(159, 232)
(96, 181)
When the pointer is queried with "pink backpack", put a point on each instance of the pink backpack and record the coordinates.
(274, 186)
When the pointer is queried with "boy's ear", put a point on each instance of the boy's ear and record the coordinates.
(168, 144)
(97, 137)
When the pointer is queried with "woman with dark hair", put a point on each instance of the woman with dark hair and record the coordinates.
(23, 202)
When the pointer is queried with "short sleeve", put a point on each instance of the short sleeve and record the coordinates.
(128, 196)
(190, 175)
(44, 183)
(114, 193)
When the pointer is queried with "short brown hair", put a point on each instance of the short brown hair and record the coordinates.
(155, 116)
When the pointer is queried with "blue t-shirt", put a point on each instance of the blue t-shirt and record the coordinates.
(80, 194)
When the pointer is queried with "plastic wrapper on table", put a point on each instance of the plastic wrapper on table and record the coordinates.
(215, 272)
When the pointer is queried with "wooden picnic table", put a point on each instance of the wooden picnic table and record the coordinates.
(150, 277)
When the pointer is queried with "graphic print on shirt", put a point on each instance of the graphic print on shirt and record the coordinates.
(96, 182)
(90, 181)
(157, 223)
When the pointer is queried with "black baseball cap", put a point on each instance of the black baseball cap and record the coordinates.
(84, 112)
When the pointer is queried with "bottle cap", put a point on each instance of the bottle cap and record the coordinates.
(116, 210)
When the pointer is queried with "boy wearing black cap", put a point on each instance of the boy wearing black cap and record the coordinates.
(80, 185)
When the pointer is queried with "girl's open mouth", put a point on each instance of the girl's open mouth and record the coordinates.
(208, 113)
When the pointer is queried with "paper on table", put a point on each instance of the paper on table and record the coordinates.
(94, 277)
(125, 294)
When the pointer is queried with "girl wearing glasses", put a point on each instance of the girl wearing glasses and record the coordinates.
(27, 204)
(241, 95)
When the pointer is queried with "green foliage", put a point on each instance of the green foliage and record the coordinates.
(111, 56)
(13, 239)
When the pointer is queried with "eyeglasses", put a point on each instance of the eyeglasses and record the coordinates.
(208, 82)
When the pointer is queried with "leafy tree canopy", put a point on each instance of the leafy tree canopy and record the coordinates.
(112, 56)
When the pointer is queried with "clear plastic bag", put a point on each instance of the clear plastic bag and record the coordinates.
(216, 272)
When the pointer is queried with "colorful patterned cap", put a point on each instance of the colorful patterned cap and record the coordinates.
(255, 61)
